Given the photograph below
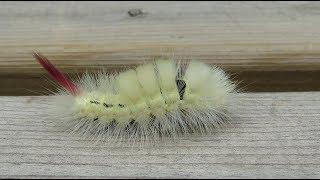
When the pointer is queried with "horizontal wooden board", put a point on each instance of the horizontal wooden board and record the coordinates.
(274, 135)
(271, 45)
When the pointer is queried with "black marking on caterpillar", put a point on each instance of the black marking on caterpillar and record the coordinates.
(108, 105)
(132, 121)
(94, 102)
(181, 85)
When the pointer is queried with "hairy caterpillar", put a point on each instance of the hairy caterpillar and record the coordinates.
(159, 99)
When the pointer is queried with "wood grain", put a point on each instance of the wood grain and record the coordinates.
(253, 39)
(275, 135)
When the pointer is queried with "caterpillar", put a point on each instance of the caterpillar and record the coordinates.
(158, 99)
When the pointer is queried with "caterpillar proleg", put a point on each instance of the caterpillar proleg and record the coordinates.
(156, 100)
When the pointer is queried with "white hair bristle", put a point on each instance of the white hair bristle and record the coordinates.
(159, 100)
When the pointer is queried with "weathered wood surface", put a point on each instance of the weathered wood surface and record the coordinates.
(269, 45)
(276, 135)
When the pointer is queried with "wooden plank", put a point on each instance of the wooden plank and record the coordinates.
(275, 135)
(252, 39)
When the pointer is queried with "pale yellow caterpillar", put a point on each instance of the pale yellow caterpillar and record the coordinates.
(153, 101)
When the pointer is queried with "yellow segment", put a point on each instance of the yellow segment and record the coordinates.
(167, 79)
(147, 79)
(167, 75)
(128, 84)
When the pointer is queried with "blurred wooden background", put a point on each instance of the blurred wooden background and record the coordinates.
(269, 46)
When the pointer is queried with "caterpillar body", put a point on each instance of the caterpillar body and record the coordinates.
(156, 100)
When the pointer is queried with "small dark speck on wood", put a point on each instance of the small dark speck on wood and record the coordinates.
(135, 12)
